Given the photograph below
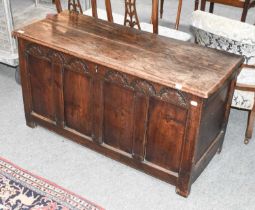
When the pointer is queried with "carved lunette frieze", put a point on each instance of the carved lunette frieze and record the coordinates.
(37, 51)
(143, 87)
(57, 58)
(137, 85)
(173, 96)
(78, 66)
(117, 78)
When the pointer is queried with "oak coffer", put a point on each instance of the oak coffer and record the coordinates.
(156, 104)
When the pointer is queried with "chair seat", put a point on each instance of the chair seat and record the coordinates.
(225, 27)
(246, 76)
(167, 32)
(118, 19)
(243, 99)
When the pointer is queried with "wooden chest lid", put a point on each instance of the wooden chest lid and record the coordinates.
(189, 67)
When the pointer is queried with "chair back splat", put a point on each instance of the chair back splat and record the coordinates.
(131, 17)
(75, 6)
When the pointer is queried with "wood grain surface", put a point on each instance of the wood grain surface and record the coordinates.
(194, 69)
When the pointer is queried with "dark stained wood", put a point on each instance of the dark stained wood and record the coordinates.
(118, 113)
(244, 4)
(165, 135)
(131, 17)
(41, 78)
(196, 5)
(77, 105)
(58, 64)
(154, 16)
(212, 117)
(132, 96)
(140, 121)
(97, 108)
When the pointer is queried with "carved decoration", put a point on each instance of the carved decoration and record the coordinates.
(173, 96)
(74, 6)
(131, 18)
(143, 87)
(37, 51)
(117, 78)
(78, 66)
(57, 58)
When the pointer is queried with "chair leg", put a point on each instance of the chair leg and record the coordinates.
(161, 8)
(196, 5)
(203, 3)
(211, 7)
(58, 6)
(245, 10)
(250, 125)
(178, 15)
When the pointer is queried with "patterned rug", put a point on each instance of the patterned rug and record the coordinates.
(21, 190)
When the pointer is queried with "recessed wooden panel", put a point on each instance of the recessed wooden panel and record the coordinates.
(211, 122)
(165, 134)
(41, 77)
(118, 117)
(77, 100)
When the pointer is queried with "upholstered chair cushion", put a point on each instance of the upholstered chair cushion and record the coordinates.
(225, 34)
(225, 27)
(167, 32)
(234, 37)
(243, 99)
(247, 76)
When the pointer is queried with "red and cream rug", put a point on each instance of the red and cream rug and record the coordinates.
(19, 189)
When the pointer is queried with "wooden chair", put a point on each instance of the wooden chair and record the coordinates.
(177, 22)
(244, 4)
(235, 37)
(196, 5)
(130, 18)
(75, 6)
(161, 30)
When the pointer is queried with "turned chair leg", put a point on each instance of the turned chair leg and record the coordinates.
(203, 3)
(211, 7)
(178, 15)
(245, 10)
(250, 125)
(161, 8)
(196, 5)
(58, 6)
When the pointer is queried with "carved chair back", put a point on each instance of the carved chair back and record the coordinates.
(75, 7)
(130, 19)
